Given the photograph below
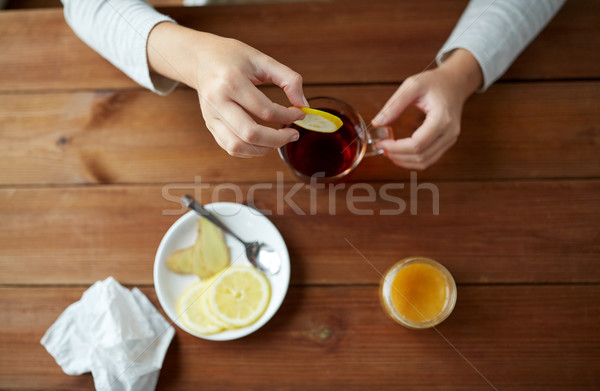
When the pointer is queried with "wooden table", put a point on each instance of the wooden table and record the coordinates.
(90, 164)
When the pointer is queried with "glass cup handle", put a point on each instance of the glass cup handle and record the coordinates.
(374, 134)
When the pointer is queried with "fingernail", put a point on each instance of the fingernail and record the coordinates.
(305, 101)
(295, 137)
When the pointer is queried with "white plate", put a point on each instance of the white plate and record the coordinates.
(247, 223)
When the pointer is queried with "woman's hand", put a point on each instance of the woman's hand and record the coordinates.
(440, 94)
(225, 72)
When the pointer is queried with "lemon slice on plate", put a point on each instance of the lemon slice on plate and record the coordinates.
(239, 295)
(206, 307)
(191, 311)
(319, 121)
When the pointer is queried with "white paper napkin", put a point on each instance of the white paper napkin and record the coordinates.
(113, 332)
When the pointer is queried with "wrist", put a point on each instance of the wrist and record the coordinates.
(170, 52)
(463, 69)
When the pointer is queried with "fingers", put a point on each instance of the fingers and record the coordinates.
(423, 160)
(231, 103)
(254, 101)
(427, 144)
(232, 144)
(406, 94)
(436, 124)
(237, 133)
(284, 77)
(227, 111)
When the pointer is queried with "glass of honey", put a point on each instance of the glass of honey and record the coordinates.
(331, 156)
(418, 292)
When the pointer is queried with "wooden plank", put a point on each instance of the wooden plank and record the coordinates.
(378, 41)
(518, 337)
(538, 130)
(501, 232)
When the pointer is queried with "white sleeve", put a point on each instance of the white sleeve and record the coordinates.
(118, 30)
(497, 31)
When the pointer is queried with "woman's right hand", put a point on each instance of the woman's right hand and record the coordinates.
(225, 73)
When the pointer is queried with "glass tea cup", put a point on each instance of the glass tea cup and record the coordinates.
(329, 157)
(418, 293)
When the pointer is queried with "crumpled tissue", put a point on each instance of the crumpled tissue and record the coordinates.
(113, 332)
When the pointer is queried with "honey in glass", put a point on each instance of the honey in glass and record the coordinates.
(418, 293)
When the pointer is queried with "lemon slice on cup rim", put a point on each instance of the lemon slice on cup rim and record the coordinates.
(319, 121)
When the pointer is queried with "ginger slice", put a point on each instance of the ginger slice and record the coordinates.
(181, 261)
(208, 256)
(211, 254)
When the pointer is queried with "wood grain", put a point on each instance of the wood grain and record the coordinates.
(518, 337)
(537, 130)
(500, 232)
(376, 41)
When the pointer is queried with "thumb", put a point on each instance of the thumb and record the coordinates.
(406, 94)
